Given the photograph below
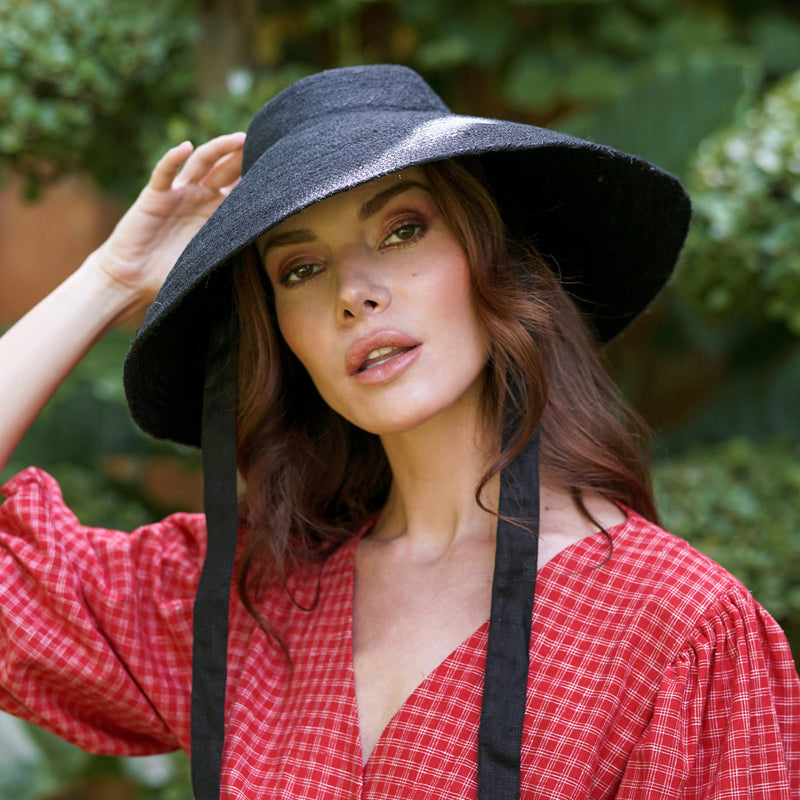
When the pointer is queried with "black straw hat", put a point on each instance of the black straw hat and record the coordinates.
(611, 226)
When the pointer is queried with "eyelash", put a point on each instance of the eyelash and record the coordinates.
(419, 230)
(286, 277)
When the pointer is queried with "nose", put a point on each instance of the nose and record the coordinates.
(362, 291)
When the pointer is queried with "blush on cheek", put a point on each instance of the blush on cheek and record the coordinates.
(295, 338)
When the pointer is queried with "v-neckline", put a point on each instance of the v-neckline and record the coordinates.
(408, 702)
(351, 680)
(480, 631)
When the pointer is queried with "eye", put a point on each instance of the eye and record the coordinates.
(300, 273)
(407, 232)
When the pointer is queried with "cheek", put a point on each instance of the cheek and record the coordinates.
(305, 337)
(291, 328)
(456, 302)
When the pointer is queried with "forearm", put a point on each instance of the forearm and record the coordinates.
(121, 277)
(42, 348)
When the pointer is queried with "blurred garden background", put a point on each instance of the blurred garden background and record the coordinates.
(92, 91)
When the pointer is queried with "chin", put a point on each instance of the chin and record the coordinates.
(400, 409)
(390, 426)
(407, 419)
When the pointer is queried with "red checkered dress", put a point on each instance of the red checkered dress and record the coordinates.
(653, 673)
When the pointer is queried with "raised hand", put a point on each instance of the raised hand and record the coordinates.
(120, 278)
(184, 189)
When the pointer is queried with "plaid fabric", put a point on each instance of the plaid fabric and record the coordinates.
(654, 673)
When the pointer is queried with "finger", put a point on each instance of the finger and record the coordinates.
(225, 172)
(207, 155)
(169, 165)
(226, 190)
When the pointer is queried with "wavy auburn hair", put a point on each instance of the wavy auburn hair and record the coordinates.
(313, 479)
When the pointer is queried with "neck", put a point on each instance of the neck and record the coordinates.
(436, 469)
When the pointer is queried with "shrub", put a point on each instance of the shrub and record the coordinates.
(742, 259)
(738, 503)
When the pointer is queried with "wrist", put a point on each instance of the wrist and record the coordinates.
(109, 296)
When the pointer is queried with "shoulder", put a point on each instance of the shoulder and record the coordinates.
(646, 611)
(650, 561)
(646, 586)
(34, 488)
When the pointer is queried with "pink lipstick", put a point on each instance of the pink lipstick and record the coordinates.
(381, 357)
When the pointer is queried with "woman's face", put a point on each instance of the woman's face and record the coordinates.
(373, 296)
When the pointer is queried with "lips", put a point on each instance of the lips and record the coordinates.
(381, 356)
(375, 351)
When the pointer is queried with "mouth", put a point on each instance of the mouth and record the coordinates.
(373, 353)
(380, 356)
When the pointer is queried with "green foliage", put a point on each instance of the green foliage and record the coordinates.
(35, 765)
(83, 78)
(777, 37)
(737, 502)
(247, 90)
(742, 262)
(84, 425)
(548, 59)
(87, 84)
(757, 398)
(672, 104)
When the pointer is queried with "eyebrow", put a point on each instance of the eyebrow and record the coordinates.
(375, 204)
(368, 209)
(299, 236)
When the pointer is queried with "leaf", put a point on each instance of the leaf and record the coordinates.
(778, 38)
(532, 82)
(561, 2)
(672, 106)
(741, 263)
(34, 763)
(445, 53)
(737, 502)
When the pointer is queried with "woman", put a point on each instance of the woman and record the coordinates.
(405, 349)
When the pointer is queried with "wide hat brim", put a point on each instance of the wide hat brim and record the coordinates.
(611, 225)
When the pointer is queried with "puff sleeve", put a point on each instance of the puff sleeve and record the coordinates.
(96, 625)
(726, 720)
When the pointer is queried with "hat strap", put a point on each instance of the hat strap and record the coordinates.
(507, 657)
(211, 607)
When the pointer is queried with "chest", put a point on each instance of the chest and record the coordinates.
(300, 733)
(407, 620)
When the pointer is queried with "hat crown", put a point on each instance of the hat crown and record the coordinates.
(374, 89)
